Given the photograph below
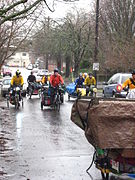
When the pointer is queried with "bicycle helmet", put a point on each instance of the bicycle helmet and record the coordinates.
(133, 72)
(18, 72)
(90, 74)
(80, 74)
(56, 70)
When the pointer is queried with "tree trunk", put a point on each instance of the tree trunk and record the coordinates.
(67, 65)
(76, 68)
(0, 68)
(59, 63)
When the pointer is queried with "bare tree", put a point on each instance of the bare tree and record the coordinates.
(117, 21)
(42, 40)
(12, 36)
(17, 9)
(118, 17)
(13, 31)
(80, 32)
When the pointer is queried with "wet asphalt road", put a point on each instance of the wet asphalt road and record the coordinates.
(43, 145)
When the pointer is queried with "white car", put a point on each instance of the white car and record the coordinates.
(113, 88)
(35, 70)
(43, 72)
(5, 85)
(30, 67)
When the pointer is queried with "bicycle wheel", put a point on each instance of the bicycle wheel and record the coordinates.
(7, 103)
(105, 176)
(58, 103)
(30, 93)
(58, 106)
(68, 97)
(17, 102)
(22, 103)
(39, 93)
(62, 99)
(41, 106)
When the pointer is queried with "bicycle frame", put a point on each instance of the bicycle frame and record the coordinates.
(109, 165)
(14, 97)
(47, 101)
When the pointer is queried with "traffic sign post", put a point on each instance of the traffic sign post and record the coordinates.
(95, 66)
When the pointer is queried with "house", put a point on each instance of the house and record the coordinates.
(19, 59)
(52, 63)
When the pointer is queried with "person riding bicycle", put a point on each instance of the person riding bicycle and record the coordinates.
(55, 80)
(31, 80)
(130, 82)
(17, 81)
(89, 81)
(129, 86)
(85, 75)
(79, 81)
(44, 79)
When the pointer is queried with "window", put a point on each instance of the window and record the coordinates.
(114, 79)
(7, 82)
(24, 54)
(125, 77)
(15, 61)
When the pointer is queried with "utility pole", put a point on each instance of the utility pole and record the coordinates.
(48, 33)
(95, 62)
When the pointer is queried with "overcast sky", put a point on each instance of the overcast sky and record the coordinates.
(61, 7)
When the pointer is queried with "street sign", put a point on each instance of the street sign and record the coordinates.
(95, 66)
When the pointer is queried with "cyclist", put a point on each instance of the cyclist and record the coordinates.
(89, 81)
(79, 81)
(31, 81)
(44, 79)
(17, 81)
(55, 80)
(85, 75)
(130, 82)
(31, 78)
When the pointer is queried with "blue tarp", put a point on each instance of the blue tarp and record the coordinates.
(71, 88)
(131, 175)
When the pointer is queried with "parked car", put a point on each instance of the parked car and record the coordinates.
(6, 72)
(113, 88)
(35, 65)
(30, 67)
(5, 85)
(42, 72)
(35, 70)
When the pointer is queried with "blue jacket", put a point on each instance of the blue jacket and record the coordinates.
(79, 81)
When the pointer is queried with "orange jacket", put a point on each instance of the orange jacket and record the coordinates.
(56, 80)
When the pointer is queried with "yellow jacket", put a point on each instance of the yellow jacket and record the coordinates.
(85, 76)
(17, 80)
(129, 84)
(45, 79)
(89, 81)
